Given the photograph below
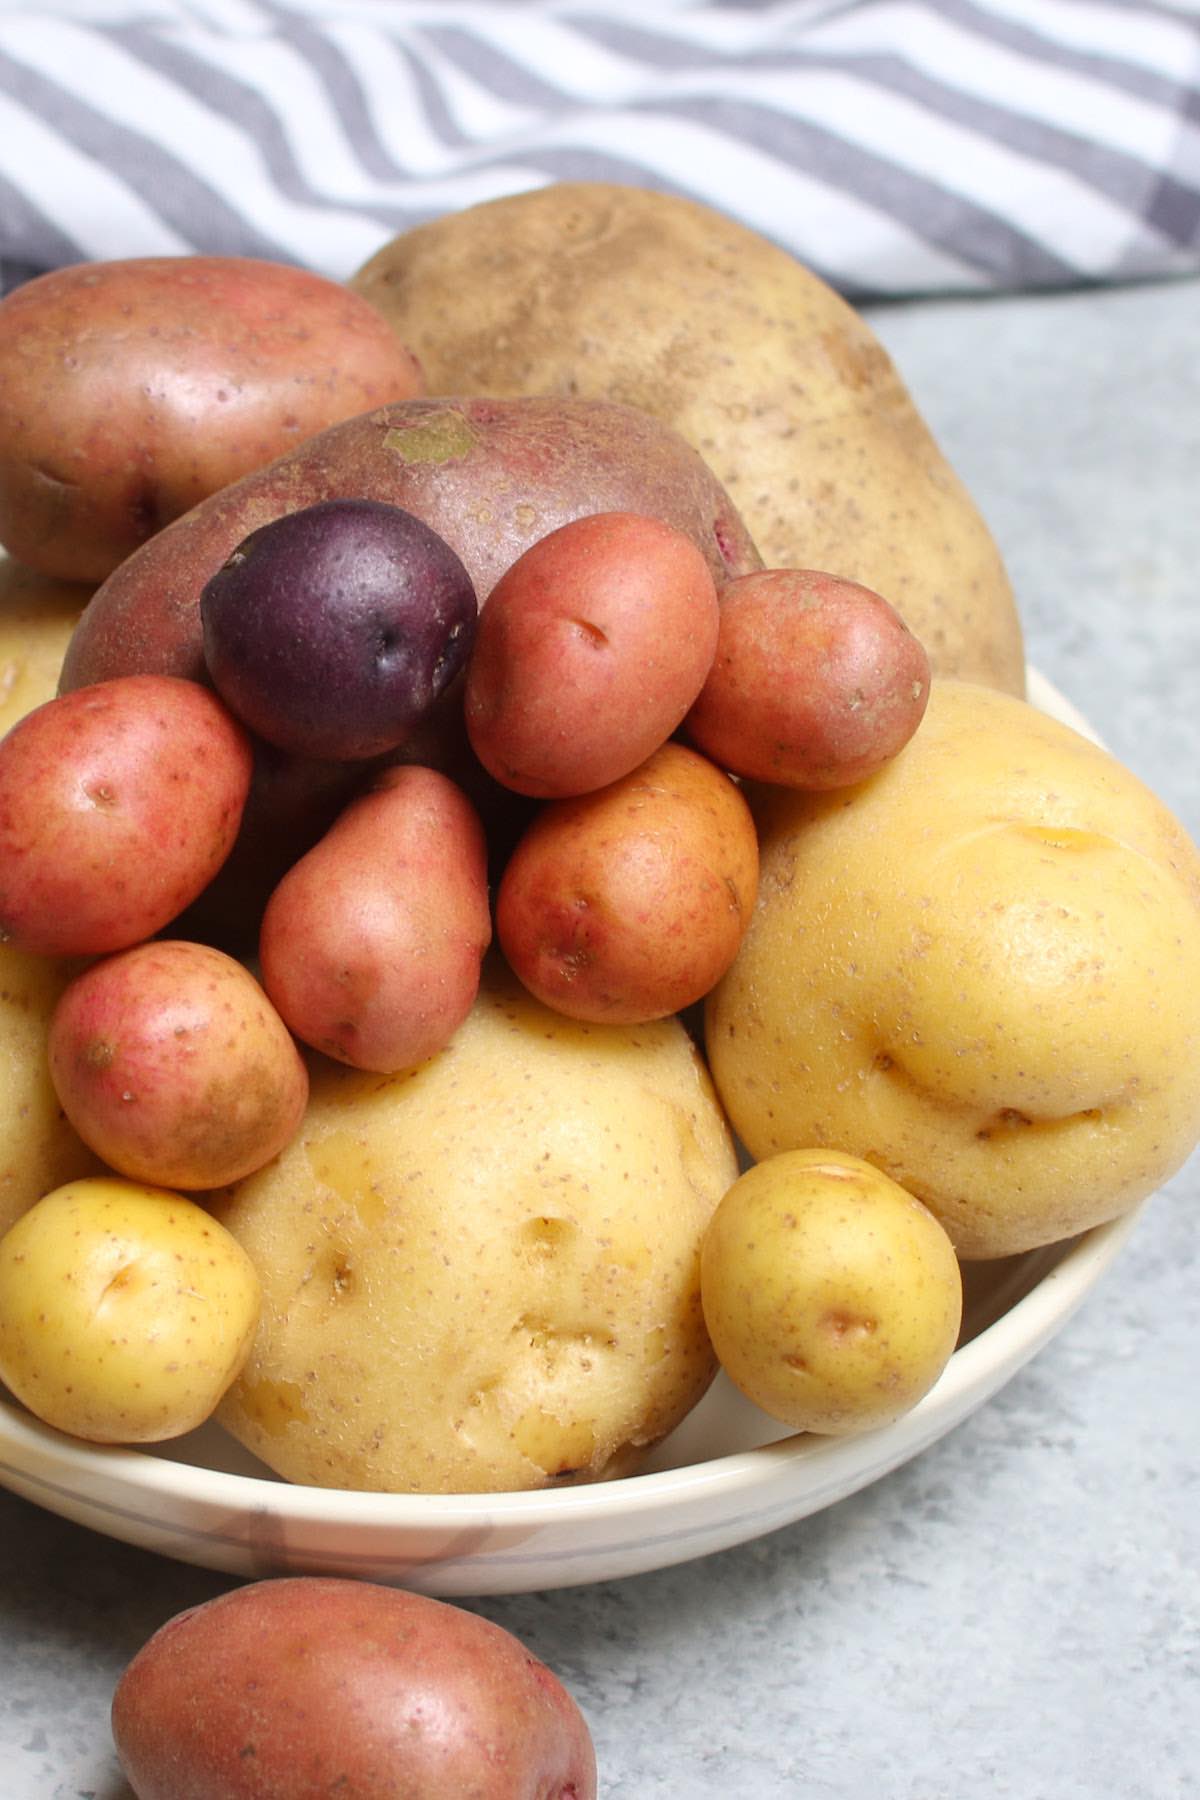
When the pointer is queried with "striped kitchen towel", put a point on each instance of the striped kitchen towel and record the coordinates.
(895, 146)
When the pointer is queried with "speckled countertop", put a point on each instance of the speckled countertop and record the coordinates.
(1016, 1613)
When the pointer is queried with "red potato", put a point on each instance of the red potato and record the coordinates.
(588, 654)
(629, 904)
(172, 1064)
(372, 944)
(131, 390)
(118, 804)
(816, 683)
(308, 1686)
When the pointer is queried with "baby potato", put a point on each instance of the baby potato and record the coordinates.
(816, 682)
(37, 617)
(125, 1311)
(118, 804)
(39, 1148)
(833, 1298)
(629, 904)
(173, 1065)
(372, 943)
(311, 1686)
(130, 390)
(588, 654)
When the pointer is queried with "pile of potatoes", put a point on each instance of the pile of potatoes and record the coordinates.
(548, 715)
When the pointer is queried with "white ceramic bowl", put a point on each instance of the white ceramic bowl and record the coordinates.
(725, 1476)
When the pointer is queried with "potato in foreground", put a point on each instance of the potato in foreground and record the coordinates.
(980, 970)
(832, 1297)
(309, 1686)
(483, 1273)
(125, 1311)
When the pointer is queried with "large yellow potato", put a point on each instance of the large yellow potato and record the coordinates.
(979, 971)
(483, 1273)
(37, 616)
(593, 289)
(39, 1149)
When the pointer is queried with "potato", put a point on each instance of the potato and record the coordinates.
(490, 477)
(130, 390)
(629, 904)
(37, 617)
(372, 944)
(310, 1686)
(39, 1148)
(591, 649)
(832, 1297)
(125, 1311)
(170, 1061)
(816, 682)
(483, 1274)
(979, 971)
(118, 804)
(334, 631)
(591, 288)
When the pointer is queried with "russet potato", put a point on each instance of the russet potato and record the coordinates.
(483, 1273)
(979, 971)
(593, 288)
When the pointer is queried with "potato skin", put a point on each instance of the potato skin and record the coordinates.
(170, 1061)
(483, 1274)
(118, 804)
(594, 288)
(979, 970)
(833, 1298)
(371, 945)
(816, 682)
(591, 649)
(131, 390)
(629, 904)
(490, 477)
(125, 1311)
(310, 1686)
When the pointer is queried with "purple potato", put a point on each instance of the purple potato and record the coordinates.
(332, 631)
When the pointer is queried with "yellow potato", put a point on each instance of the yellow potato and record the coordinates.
(39, 1149)
(980, 971)
(832, 1297)
(597, 290)
(125, 1311)
(37, 617)
(483, 1273)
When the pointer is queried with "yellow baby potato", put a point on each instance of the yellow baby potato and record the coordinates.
(37, 616)
(125, 1311)
(832, 1297)
(483, 1273)
(39, 1150)
(980, 971)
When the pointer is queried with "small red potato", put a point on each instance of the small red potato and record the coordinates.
(131, 390)
(172, 1064)
(588, 654)
(372, 944)
(816, 682)
(308, 1687)
(118, 804)
(629, 904)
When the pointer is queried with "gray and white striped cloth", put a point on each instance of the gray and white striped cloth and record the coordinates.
(896, 146)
